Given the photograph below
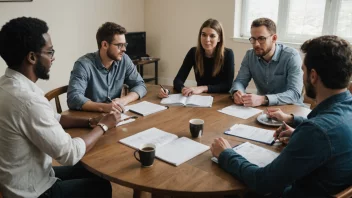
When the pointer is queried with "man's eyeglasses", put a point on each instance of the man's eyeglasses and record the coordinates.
(120, 45)
(260, 39)
(50, 53)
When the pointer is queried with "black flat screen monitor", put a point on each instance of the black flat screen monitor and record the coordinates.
(136, 47)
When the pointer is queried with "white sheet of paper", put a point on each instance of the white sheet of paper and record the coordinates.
(252, 133)
(180, 151)
(199, 101)
(174, 99)
(124, 116)
(240, 111)
(152, 135)
(145, 108)
(254, 154)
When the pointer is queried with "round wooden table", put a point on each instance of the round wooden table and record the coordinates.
(196, 177)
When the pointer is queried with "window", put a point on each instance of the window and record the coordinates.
(297, 20)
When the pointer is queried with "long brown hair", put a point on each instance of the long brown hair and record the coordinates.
(219, 49)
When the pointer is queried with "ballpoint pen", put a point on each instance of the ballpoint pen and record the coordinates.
(109, 99)
(283, 128)
(165, 90)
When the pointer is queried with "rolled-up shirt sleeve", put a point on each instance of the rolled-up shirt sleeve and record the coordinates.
(43, 129)
(243, 77)
(294, 84)
(77, 87)
(134, 80)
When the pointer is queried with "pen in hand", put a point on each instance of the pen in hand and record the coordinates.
(283, 128)
(164, 89)
(109, 99)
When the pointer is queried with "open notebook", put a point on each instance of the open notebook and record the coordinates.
(254, 154)
(252, 133)
(193, 101)
(169, 147)
(145, 108)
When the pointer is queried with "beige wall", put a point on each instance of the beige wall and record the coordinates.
(73, 25)
(172, 29)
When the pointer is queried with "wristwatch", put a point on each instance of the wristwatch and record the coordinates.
(266, 101)
(103, 126)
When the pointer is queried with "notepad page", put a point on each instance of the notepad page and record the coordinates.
(152, 135)
(146, 108)
(174, 99)
(124, 116)
(240, 111)
(254, 154)
(180, 151)
(252, 133)
(199, 101)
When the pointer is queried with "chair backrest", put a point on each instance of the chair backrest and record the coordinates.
(55, 94)
(347, 193)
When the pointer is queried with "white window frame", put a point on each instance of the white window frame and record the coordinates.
(332, 8)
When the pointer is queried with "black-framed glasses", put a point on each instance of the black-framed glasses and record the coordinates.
(260, 39)
(120, 45)
(50, 53)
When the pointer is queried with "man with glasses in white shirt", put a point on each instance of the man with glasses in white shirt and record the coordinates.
(274, 68)
(97, 78)
(31, 133)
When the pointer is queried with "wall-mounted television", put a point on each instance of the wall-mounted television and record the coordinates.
(136, 47)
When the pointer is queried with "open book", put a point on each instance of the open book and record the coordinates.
(252, 133)
(169, 147)
(193, 101)
(254, 154)
(145, 108)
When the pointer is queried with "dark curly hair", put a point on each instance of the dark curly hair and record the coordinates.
(20, 36)
(331, 57)
(107, 32)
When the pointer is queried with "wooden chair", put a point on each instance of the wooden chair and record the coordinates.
(347, 193)
(55, 94)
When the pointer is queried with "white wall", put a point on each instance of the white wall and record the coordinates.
(172, 29)
(73, 25)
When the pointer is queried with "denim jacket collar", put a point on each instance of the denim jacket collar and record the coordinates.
(328, 102)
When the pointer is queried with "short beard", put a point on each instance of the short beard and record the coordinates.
(40, 71)
(310, 91)
(111, 56)
(265, 52)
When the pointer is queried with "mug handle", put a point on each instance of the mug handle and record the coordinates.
(136, 156)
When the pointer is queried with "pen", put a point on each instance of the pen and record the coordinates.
(283, 128)
(163, 89)
(109, 99)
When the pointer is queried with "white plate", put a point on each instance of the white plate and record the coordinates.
(262, 118)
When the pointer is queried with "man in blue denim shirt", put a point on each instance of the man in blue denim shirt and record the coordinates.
(275, 69)
(97, 78)
(317, 160)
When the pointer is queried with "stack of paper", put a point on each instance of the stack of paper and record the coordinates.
(252, 133)
(240, 111)
(254, 154)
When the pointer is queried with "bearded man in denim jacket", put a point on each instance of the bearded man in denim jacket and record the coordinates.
(317, 160)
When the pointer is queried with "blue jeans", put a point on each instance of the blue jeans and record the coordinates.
(76, 181)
